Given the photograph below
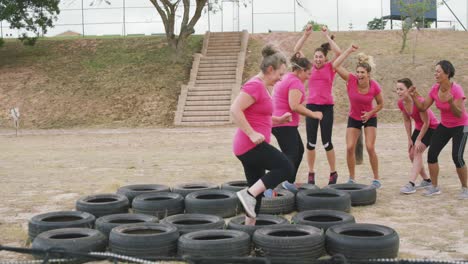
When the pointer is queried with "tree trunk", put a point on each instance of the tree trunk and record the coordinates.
(359, 150)
(405, 36)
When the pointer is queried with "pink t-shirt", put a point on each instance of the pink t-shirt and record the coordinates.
(321, 84)
(360, 103)
(281, 97)
(447, 118)
(415, 114)
(258, 115)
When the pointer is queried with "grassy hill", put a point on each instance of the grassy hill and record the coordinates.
(104, 82)
(133, 82)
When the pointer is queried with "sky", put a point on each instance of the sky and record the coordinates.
(258, 16)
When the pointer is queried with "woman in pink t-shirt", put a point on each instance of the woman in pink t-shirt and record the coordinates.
(252, 111)
(425, 123)
(320, 99)
(288, 97)
(362, 91)
(450, 100)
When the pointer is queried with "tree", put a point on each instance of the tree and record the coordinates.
(376, 24)
(315, 26)
(411, 12)
(31, 15)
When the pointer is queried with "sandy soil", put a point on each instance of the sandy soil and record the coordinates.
(48, 170)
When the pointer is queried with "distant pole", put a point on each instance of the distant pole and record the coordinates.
(1, 27)
(337, 17)
(222, 16)
(124, 26)
(294, 4)
(381, 14)
(450, 9)
(209, 23)
(82, 18)
(252, 16)
(238, 16)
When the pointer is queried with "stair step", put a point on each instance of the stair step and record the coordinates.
(204, 103)
(209, 98)
(215, 71)
(217, 77)
(226, 63)
(208, 93)
(217, 57)
(205, 118)
(207, 108)
(203, 82)
(230, 46)
(211, 88)
(206, 113)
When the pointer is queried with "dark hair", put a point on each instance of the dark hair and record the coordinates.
(406, 81)
(447, 67)
(300, 63)
(271, 57)
(325, 47)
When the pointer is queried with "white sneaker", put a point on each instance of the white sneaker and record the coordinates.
(463, 194)
(248, 202)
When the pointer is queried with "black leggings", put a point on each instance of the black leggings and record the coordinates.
(261, 158)
(441, 137)
(326, 125)
(290, 143)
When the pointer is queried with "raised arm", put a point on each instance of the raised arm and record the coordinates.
(242, 102)
(304, 37)
(334, 47)
(422, 106)
(344, 74)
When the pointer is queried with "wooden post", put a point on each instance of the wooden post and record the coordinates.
(359, 150)
(15, 114)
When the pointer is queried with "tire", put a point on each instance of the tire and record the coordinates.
(56, 220)
(214, 243)
(361, 194)
(328, 199)
(146, 241)
(80, 240)
(187, 223)
(216, 202)
(132, 191)
(283, 203)
(160, 204)
(323, 219)
(187, 188)
(290, 243)
(308, 186)
(103, 204)
(105, 223)
(362, 241)
(263, 220)
(234, 186)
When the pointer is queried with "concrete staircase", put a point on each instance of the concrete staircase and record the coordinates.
(215, 80)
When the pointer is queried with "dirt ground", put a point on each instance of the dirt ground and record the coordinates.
(48, 170)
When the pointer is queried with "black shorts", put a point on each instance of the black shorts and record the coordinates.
(372, 122)
(426, 140)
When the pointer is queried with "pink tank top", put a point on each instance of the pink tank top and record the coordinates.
(447, 118)
(415, 115)
(358, 102)
(281, 98)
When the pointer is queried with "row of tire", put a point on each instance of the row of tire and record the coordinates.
(203, 236)
(157, 200)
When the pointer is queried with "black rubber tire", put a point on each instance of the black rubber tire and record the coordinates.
(323, 219)
(290, 243)
(105, 223)
(146, 241)
(56, 220)
(80, 240)
(328, 199)
(187, 188)
(103, 204)
(132, 191)
(234, 186)
(160, 204)
(362, 241)
(262, 220)
(308, 186)
(214, 243)
(222, 203)
(361, 194)
(283, 203)
(187, 223)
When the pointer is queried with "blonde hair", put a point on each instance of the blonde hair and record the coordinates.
(365, 61)
(272, 57)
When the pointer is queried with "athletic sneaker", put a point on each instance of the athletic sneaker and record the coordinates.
(377, 184)
(408, 189)
(270, 193)
(333, 178)
(289, 186)
(463, 194)
(311, 178)
(431, 190)
(350, 181)
(248, 202)
(423, 184)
